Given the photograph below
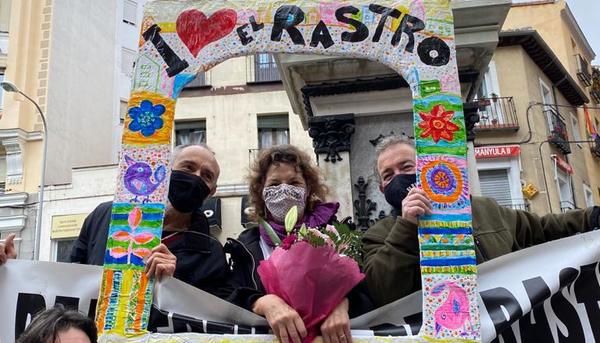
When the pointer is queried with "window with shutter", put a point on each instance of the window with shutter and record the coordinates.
(565, 191)
(495, 184)
(127, 61)
(190, 132)
(273, 130)
(129, 12)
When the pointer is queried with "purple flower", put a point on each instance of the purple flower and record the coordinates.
(146, 118)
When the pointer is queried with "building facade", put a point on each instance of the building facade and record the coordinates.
(534, 133)
(71, 58)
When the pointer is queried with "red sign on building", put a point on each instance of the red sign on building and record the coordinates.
(497, 151)
(562, 164)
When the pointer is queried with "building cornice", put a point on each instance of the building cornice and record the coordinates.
(13, 199)
(23, 135)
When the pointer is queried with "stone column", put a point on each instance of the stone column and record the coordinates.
(331, 141)
(471, 113)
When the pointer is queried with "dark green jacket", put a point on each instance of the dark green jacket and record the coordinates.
(391, 249)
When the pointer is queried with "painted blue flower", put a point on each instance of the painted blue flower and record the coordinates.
(146, 118)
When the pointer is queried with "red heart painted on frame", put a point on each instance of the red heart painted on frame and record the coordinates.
(196, 30)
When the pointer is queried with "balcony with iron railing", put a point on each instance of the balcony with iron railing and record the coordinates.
(515, 204)
(595, 94)
(583, 71)
(567, 206)
(558, 134)
(595, 146)
(497, 113)
(595, 91)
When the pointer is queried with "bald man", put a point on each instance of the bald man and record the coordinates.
(187, 250)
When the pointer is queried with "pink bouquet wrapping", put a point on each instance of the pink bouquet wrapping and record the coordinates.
(309, 271)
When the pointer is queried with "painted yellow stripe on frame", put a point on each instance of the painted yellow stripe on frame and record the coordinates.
(440, 224)
(167, 27)
(447, 253)
(449, 270)
(124, 295)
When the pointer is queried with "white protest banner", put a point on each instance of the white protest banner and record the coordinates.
(560, 280)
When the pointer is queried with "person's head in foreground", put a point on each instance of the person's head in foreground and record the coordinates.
(58, 325)
(396, 168)
(282, 177)
(193, 178)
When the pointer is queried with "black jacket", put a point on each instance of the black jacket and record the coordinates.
(246, 255)
(200, 258)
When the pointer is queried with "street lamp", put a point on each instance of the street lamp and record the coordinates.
(10, 87)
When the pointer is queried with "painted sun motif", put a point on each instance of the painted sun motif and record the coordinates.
(442, 181)
(438, 124)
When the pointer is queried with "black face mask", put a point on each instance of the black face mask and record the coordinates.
(187, 191)
(398, 188)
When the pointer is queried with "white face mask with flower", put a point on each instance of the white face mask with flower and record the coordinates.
(279, 199)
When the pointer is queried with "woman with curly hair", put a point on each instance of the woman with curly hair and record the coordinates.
(282, 177)
(57, 325)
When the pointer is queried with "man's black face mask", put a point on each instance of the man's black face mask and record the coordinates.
(398, 188)
(187, 191)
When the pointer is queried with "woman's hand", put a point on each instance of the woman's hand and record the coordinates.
(161, 263)
(284, 320)
(336, 327)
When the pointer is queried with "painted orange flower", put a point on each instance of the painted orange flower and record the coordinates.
(438, 124)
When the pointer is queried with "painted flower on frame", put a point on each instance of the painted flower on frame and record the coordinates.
(146, 118)
(438, 124)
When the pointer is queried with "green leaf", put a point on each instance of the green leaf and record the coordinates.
(290, 219)
(303, 232)
(272, 235)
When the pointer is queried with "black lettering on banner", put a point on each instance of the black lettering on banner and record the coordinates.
(362, 31)
(587, 292)
(28, 305)
(414, 321)
(534, 327)
(92, 309)
(433, 51)
(321, 35)
(255, 26)
(245, 39)
(494, 300)
(564, 309)
(385, 13)
(175, 65)
(408, 25)
(286, 18)
(68, 302)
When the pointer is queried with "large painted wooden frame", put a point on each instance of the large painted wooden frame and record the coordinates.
(182, 38)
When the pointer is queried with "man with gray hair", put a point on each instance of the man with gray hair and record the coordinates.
(391, 247)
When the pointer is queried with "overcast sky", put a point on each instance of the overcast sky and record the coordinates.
(587, 13)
